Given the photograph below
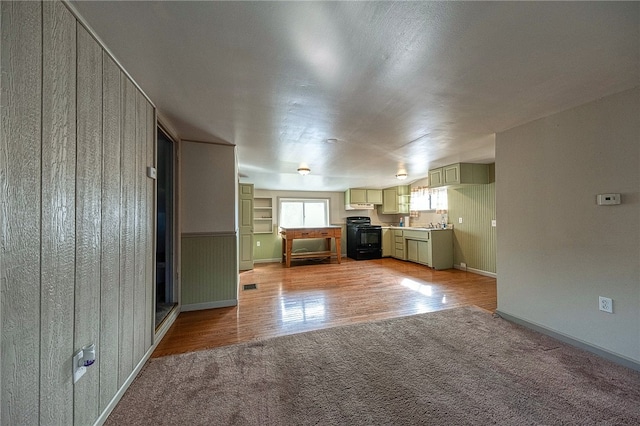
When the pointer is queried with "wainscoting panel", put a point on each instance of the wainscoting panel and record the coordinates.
(209, 269)
(474, 240)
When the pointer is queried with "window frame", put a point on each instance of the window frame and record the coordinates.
(325, 201)
(433, 194)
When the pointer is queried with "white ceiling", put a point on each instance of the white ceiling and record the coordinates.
(400, 85)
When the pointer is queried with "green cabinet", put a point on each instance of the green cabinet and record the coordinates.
(374, 196)
(387, 246)
(459, 174)
(419, 251)
(404, 199)
(431, 248)
(389, 201)
(245, 226)
(396, 200)
(263, 215)
(424, 253)
(358, 196)
(435, 178)
(398, 244)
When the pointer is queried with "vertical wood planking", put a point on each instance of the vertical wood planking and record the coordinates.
(58, 213)
(209, 268)
(151, 225)
(127, 229)
(20, 153)
(88, 219)
(475, 239)
(110, 265)
(139, 302)
(66, 202)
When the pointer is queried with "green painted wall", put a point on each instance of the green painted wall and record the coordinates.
(271, 245)
(209, 270)
(474, 241)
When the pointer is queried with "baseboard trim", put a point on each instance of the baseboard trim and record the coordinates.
(158, 337)
(477, 271)
(618, 359)
(209, 305)
(166, 324)
(276, 260)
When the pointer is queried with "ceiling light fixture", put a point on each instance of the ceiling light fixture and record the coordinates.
(332, 141)
(304, 170)
(401, 176)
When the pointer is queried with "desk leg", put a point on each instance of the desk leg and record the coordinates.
(289, 249)
(284, 250)
(338, 249)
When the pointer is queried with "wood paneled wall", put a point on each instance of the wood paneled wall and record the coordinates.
(77, 215)
(209, 271)
(474, 240)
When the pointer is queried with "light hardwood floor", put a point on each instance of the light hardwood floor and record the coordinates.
(312, 295)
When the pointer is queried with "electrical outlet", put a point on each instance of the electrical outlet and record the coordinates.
(257, 243)
(605, 304)
(463, 266)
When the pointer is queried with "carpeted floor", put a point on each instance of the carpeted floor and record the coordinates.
(459, 366)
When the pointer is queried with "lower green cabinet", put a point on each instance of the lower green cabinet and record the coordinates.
(431, 248)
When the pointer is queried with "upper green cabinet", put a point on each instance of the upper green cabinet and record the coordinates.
(374, 196)
(356, 196)
(459, 174)
(395, 200)
(435, 177)
(389, 201)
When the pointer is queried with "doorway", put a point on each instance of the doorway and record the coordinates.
(166, 298)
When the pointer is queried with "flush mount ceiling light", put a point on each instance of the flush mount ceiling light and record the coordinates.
(304, 170)
(332, 141)
(401, 176)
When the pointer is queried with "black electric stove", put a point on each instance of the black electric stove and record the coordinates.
(364, 240)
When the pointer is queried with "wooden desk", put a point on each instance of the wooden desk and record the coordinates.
(290, 234)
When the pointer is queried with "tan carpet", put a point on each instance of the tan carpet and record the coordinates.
(460, 366)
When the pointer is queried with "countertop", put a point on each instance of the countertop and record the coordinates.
(411, 228)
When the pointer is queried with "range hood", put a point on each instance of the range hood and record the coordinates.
(359, 206)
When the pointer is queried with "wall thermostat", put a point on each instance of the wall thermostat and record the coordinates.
(607, 199)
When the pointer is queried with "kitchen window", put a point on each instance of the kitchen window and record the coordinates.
(423, 199)
(303, 212)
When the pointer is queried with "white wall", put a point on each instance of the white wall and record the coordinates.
(208, 178)
(337, 213)
(557, 250)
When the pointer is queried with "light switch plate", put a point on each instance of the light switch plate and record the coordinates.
(493, 223)
(152, 172)
(459, 220)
